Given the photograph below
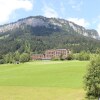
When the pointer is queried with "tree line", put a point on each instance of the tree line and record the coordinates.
(26, 56)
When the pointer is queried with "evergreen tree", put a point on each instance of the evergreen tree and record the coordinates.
(27, 47)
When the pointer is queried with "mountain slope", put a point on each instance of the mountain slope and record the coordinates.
(41, 33)
(40, 21)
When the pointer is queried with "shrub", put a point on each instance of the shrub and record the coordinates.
(92, 78)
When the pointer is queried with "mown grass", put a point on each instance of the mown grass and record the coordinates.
(43, 80)
(40, 93)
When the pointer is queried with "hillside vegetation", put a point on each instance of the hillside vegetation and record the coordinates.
(43, 33)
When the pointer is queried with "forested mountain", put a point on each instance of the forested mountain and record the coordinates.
(38, 33)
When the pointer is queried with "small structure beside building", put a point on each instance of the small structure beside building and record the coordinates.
(49, 54)
(37, 56)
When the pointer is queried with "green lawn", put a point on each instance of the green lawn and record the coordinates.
(43, 80)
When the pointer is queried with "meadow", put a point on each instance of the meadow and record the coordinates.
(43, 80)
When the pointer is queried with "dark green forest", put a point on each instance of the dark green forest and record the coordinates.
(41, 39)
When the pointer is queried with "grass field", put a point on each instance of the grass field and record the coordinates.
(43, 80)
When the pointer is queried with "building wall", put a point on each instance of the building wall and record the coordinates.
(49, 54)
(37, 56)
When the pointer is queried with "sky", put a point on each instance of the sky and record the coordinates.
(82, 12)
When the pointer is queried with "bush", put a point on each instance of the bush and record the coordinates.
(24, 57)
(55, 59)
(69, 57)
(92, 78)
(82, 56)
(1, 61)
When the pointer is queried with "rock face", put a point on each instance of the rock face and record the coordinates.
(50, 23)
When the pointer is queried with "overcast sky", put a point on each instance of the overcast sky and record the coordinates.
(83, 12)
